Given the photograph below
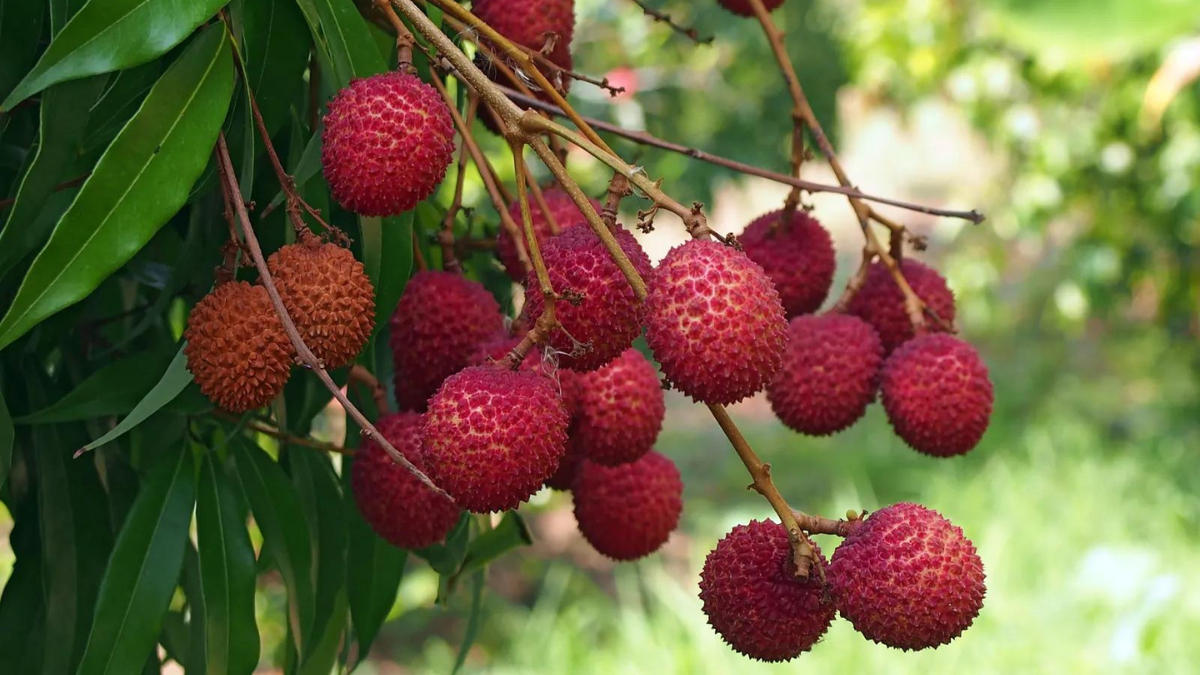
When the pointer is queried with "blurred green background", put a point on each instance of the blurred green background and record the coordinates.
(1075, 125)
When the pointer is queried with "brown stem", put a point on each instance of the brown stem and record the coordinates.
(360, 374)
(775, 39)
(854, 283)
(404, 38)
(225, 165)
(662, 17)
(446, 237)
(284, 436)
(820, 525)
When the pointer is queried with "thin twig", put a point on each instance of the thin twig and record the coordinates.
(775, 39)
(662, 17)
(284, 436)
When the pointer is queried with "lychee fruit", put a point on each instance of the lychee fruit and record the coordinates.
(599, 313)
(536, 361)
(387, 142)
(880, 303)
(236, 349)
(796, 253)
(829, 374)
(564, 212)
(937, 394)
(621, 409)
(715, 322)
(628, 511)
(907, 578)
(329, 297)
(397, 505)
(743, 7)
(753, 598)
(530, 22)
(493, 436)
(564, 476)
(440, 319)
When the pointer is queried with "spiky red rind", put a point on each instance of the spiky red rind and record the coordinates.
(937, 394)
(797, 254)
(880, 303)
(440, 319)
(743, 7)
(753, 599)
(387, 142)
(492, 436)
(628, 511)
(328, 295)
(397, 505)
(236, 349)
(565, 213)
(908, 578)
(715, 322)
(605, 315)
(621, 409)
(829, 374)
(536, 361)
(568, 467)
(527, 22)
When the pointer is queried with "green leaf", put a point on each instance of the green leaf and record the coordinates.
(108, 35)
(325, 649)
(7, 436)
(387, 258)
(447, 558)
(22, 610)
(321, 499)
(472, 621)
(306, 167)
(276, 508)
(20, 27)
(173, 381)
(226, 576)
(64, 113)
(345, 39)
(509, 534)
(276, 54)
(140, 181)
(142, 571)
(112, 390)
(374, 569)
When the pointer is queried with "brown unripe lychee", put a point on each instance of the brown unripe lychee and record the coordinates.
(236, 347)
(329, 297)
(628, 511)
(753, 599)
(796, 253)
(907, 578)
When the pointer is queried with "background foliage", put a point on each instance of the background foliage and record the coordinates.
(1056, 119)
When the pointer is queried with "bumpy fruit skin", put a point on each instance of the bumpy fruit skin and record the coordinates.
(328, 295)
(937, 394)
(628, 511)
(798, 256)
(743, 8)
(562, 209)
(440, 319)
(621, 410)
(607, 315)
(907, 578)
(753, 599)
(236, 347)
(493, 436)
(829, 374)
(526, 22)
(880, 303)
(567, 381)
(568, 467)
(387, 142)
(715, 322)
(398, 506)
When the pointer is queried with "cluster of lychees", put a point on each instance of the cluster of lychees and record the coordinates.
(582, 413)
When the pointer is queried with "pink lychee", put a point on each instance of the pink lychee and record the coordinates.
(796, 253)
(628, 511)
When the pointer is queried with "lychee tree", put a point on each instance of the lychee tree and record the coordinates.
(254, 212)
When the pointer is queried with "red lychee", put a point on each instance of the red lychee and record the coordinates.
(753, 598)
(880, 303)
(621, 410)
(937, 394)
(599, 313)
(562, 210)
(387, 142)
(439, 321)
(493, 436)
(907, 578)
(829, 375)
(236, 347)
(564, 476)
(743, 7)
(536, 361)
(530, 22)
(797, 254)
(628, 511)
(328, 295)
(398, 506)
(714, 322)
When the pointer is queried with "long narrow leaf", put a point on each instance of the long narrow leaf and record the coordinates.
(170, 385)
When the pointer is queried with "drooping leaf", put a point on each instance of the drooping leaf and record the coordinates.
(108, 35)
(345, 42)
(447, 558)
(473, 620)
(286, 539)
(387, 258)
(142, 571)
(510, 533)
(321, 499)
(326, 645)
(140, 181)
(7, 436)
(173, 381)
(276, 53)
(226, 575)
(374, 570)
(112, 390)
(20, 27)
